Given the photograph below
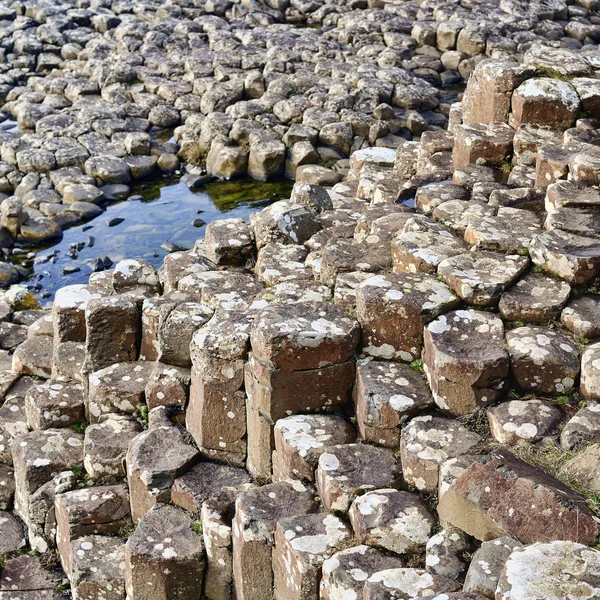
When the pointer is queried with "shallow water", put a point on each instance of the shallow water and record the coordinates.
(166, 212)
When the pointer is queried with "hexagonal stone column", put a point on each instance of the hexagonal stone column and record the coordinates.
(54, 405)
(154, 459)
(216, 413)
(164, 558)
(536, 298)
(301, 362)
(492, 142)
(34, 357)
(229, 242)
(112, 331)
(98, 568)
(203, 481)
(177, 324)
(345, 573)
(543, 360)
(426, 443)
(347, 470)
(487, 565)
(574, 258)
(101, 510)
(301, 545)
(105, 445)
(489, 89)
(446, 553)
(522, 422)
(286, 222)
(118, 389)
(217, 515)
(385, 395)
(480, 277)
(582, 316)
(68, 311)
(257, 513)
(423, 250)
(465, 360)
(590, 372)
(392, 520)
(38, 456)
(545, 102)
(392, 310)
(301, 439)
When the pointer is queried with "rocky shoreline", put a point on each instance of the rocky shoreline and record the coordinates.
(384, 387)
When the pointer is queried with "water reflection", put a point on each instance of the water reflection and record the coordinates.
(166, 210)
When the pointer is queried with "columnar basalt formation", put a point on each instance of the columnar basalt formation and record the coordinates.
(384, 387)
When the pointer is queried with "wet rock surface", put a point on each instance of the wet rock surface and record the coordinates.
(384, 385)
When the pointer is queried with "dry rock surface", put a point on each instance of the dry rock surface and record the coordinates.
(384, 387)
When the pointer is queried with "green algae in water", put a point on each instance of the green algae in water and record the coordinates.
(230, 194)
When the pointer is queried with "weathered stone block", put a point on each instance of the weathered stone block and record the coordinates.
(393, 309)
(257, 513)
(465, 360)
(345, 471)
(164, 558)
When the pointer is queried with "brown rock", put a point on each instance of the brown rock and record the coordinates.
(494, 497)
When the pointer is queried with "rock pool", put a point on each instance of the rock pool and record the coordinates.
(165, 210)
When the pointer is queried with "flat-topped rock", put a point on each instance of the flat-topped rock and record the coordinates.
(426, 443)
(479, 278)
(345, 256)
(392, 310)
(98, 567)
(446, 553)
(164, 557)
(345, 573)
(465, 360)
(582, 316)
(34, 357)
(521, 422)
(303, 336)
(386, 394)
(301, 439)
(536, 298)
(102, 510)
(257, 513)
(204, 480)
(583, 428)
(54, 405)
(407, 584)
(543, 360)
(229, 242)
(574, 258)
(490, 142)
(119, 389)
(487, 565)
(392, 520)
(577, 563)
(105, 445)
(345, 471)
(38, 456)
(510, 230)
(302, 544)
(545, 102)
(423, 251)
